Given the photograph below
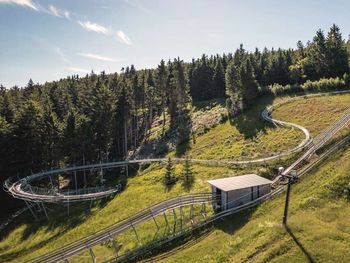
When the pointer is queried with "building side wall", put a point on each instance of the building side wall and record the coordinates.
(242, 196)
(238, 197)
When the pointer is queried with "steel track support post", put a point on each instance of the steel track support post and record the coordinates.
(174, 228)
(31, 211)
(115, 246)
(93, 257)
(68, 204)
(285, 214)
(191, 214)
(137, 236)
(84, 178)
(181, 218)
(76, 181)
(51, 181)
(203, 211)
(155, 220)
(42, 204)
(31, 190)
(166, 222)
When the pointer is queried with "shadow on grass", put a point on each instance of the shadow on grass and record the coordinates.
(148, 253)
(300, 245)
(232, 223)
(249, 122)
(58, 219)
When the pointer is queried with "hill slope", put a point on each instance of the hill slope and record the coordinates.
(28, 239)
(319, 229)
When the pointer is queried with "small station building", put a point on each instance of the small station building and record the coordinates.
(238, 190)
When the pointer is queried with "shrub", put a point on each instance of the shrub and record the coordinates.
(346, 79)
(324, 84)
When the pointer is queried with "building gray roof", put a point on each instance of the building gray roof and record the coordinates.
(239, 182)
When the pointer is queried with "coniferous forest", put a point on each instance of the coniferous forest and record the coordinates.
(103, 117)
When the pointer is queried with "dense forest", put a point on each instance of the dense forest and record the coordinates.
(101, 117)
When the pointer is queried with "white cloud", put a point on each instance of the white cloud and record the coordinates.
(123, 38)
(97, 57)
(54, 11)
(89, 26)
(78, 70)
(24, 3)
(66, 14)
(61, 55)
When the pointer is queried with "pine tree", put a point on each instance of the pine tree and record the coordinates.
(172, 102)
(161, 80)
(169, 178)
(234, 89)
(318, 57)
(249, 84)
(180, 86)
(219, 80)
(187, 174)
(337, 55)
(102, 109)
(6, 108)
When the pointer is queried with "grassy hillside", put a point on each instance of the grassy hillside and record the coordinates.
(314, 113)
(318, 225)
(246, 137)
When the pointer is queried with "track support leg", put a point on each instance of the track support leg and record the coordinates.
(93, 257)
(181, 218)
(155, 221)
(174, 228)
(76, 181)
(166, 222)
(137, 236)
(31, 211)
(42, 204)
(191, 214)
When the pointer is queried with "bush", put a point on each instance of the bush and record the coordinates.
(324, 85)
(346, 79)
(278, 89)
(331, 84)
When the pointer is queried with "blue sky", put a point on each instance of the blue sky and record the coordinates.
(51, 39)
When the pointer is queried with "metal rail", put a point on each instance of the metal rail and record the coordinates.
(19, 189)
(133, 255)
(155, 210)
(113, 230)
(144, 215)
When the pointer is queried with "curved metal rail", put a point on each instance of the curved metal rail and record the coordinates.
(22, 189)
(115, 229)
(132, 255)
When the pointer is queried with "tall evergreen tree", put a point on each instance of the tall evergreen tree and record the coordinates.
(337, 55)
(161, 80)
(219, 80)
